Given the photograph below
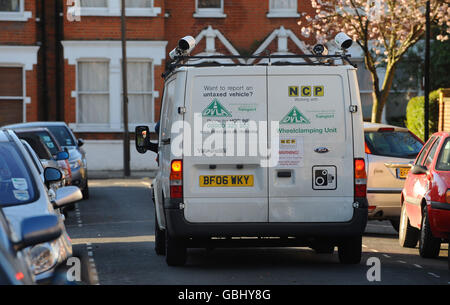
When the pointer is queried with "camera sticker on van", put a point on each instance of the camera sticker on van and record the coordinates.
(324, 177)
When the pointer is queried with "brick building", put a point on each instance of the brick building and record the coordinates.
(76, 77)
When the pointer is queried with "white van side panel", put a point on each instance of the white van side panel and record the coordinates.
(316, 145)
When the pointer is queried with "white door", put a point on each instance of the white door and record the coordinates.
(224, 181)
(313, 181)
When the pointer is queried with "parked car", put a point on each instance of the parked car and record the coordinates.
(425, 215)
(15, 266)
(390, 150)
(67, 140)
(24, 195)
(48, 149)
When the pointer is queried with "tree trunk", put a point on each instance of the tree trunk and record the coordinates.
(380, 96)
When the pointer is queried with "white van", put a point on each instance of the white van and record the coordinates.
(297, 179)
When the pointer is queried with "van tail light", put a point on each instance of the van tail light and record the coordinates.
(360, 178)
(176, 179)
(367, 149)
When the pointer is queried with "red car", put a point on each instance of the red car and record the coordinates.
(425, 213)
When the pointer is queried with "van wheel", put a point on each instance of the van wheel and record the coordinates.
(350, 250)
(407, 234)
(429, 246)
(176, 252)
(160, 239)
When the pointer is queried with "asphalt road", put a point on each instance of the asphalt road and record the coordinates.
(115, 229)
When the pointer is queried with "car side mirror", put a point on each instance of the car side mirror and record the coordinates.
(37, 230)
(62, 155)
(419, 170)
(141, 133)
(80, 142)
(67, 195)
(52, 174)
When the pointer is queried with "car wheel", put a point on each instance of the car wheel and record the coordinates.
(85, 191)
(395, 224)
(160, 239)
(176, 252)
(429, 246)
(350, 250)
(407, 234)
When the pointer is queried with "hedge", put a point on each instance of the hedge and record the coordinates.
(415, 114)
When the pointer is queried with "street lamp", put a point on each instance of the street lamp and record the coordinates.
(126, 139)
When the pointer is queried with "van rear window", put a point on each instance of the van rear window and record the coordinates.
(397, 144)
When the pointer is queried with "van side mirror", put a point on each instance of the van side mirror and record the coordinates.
(37, 230)
(142, 136)
(62, 155)
(419, 170)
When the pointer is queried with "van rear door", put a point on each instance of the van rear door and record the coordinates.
(224, 183)
(314, 179)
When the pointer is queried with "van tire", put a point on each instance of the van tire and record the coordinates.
(429, 246)
(176, 251)
(160, 239)
(350, 250)
(407, 234)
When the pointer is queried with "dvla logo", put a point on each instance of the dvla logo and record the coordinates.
(295, 117)
(215, 109)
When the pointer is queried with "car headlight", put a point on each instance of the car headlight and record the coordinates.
(44, 257)
(75, 164)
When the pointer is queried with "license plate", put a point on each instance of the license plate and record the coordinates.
(402, 173)
(226, 181)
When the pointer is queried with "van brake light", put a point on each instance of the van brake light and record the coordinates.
(360, 178)
(176, 179)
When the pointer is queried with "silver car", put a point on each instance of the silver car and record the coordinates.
(389, 152)
(24, 195)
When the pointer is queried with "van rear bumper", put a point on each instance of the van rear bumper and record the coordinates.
(178, 226)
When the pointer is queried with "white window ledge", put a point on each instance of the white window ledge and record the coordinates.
(102, 128)
(283, 14)
(15, 16)
(209, 15)
(130, 12)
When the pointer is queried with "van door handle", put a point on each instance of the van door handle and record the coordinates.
(284, 174)
(165, 141)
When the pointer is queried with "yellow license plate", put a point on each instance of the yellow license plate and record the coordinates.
(226, 181)
(402, 172)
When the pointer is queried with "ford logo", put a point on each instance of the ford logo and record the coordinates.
(321, 150)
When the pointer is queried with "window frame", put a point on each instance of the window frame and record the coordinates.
(210, 12)
(79, 92)
(282, 13)
(113, 9)
(21, 15)
(20, 98)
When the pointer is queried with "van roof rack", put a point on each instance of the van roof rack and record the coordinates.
(312, 60)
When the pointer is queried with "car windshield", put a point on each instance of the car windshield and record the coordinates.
(443, 162)
(397, 144)
(16, 186)
(45, 138)
(62, 135)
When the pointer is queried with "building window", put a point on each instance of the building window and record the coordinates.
(135, 8)
(9, 5)
(94, 3)
(283, 9)
(93, 92)
(13, 10)
(140, 91)
(209, 9)
(11, 95)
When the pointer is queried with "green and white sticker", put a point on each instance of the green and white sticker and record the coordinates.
(294, 116)
(216, 109)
